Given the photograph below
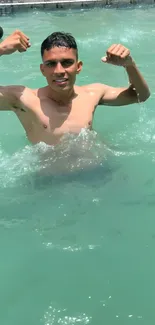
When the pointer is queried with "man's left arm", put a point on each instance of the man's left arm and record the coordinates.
(138, 90)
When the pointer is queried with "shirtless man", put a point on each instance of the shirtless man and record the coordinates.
(62, 107)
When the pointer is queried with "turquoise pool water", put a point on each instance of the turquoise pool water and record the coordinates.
(78, 248)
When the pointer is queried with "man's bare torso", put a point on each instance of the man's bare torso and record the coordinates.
(46, 120)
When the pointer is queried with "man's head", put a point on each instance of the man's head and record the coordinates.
(60, 60)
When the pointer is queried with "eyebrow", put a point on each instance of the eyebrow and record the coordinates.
(56, 61)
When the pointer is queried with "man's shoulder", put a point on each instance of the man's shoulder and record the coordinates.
(17, 90)
(14, 93)
(95, 87)
(94, 92)
(97, 90)
(24, 95)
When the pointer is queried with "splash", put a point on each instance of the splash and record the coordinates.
(74, 153)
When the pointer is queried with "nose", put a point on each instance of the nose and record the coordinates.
(59, 68)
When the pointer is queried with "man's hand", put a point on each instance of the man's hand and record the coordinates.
(17, 41)
(118, 54)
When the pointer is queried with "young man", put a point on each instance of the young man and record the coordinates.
(62, 107)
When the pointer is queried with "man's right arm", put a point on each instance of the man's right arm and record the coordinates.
(7, 98)
(17, 41)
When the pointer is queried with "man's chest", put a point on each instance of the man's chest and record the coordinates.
(60, 118)
(44, 119)
(71, 121)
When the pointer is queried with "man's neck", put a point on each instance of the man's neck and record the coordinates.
(61, 97)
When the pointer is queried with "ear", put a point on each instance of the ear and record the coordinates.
(79, 66)
(42, 69)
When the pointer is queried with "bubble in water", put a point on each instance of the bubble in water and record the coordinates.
(59, 316)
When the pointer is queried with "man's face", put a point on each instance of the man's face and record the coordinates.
(60, 67)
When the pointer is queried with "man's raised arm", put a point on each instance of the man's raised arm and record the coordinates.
(17, 41)
(138, 90)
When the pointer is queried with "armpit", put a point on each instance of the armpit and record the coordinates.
(19, 108)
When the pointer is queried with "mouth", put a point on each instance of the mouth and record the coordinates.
(61, 81)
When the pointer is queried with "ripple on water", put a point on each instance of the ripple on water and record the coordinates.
(73, 248)
(30, 174)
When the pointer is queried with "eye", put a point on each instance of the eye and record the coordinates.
(67, 63)
(51, 64)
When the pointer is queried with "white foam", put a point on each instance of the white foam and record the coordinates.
(72, 154)
(52, 317)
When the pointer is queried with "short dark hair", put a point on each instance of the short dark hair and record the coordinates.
(59, 39)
